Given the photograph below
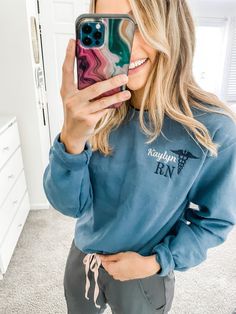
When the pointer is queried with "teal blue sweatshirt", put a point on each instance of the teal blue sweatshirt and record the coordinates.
(139, 198)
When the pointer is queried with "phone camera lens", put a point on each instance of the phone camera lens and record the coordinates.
(87, 29)
(97, 35)
(87, 41)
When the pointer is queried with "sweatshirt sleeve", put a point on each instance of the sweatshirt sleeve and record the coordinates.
(214, 191)
(66, 180)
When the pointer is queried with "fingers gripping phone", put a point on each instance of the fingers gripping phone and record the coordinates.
(103, 49)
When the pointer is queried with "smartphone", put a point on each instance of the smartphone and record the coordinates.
(103, 49)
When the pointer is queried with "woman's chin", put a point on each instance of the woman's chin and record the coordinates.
(136, 84)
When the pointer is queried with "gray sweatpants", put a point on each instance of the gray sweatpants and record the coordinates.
(153, 294)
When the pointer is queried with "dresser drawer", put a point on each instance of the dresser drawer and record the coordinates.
(9, 173)
(10, 205)
(10, 241)
(9, 141)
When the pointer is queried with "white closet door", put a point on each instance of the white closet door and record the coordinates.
(57, 19)
(40, 89)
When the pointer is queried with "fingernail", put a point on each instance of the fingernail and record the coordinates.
(126, 94)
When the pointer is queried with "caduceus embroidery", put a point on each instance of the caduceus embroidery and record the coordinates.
(183, 156)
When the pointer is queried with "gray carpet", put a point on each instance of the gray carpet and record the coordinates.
(34, 280)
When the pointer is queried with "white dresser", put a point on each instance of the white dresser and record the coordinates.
(14, 200)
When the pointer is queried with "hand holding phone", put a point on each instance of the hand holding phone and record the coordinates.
(103, 49)
(80, 113)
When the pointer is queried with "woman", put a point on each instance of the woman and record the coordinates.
(132, 196)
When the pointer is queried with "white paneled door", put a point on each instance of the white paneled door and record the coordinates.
(57, 18)
(40, 86)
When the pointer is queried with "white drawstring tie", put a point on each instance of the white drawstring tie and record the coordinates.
(94, 261)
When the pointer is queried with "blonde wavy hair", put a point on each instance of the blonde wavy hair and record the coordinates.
(168, 27)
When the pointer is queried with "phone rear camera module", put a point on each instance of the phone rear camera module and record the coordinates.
(92, 33)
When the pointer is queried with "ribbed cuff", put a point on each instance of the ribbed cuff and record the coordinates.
(164, 258)
(70, 161)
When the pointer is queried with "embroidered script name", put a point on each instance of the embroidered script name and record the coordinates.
(161, 156)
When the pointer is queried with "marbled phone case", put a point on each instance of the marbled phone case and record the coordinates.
(96, 64)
